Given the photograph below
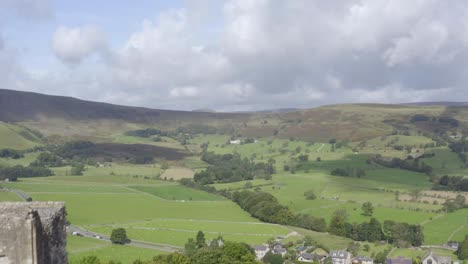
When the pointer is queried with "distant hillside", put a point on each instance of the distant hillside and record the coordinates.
(73, 118)
(440, 103)
(17, 106)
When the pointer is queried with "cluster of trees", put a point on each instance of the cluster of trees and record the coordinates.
(195, 129)
(442, 119)
(13, 173)
(454, 183)
(411, 165)
(198, 251)
(47, 159)
(451, 205)
(11, 153)
(231, 168)
(266, 207)
(349, 172)
(462, 251)
(460, 147)
(146, 133)
(76, 149)
(402, 233)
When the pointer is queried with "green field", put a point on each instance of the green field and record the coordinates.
(79, 247)
(6, 196)
(176, 192)
(15, 137)
(146, 209)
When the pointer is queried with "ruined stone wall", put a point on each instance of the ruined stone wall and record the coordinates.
(32, 233)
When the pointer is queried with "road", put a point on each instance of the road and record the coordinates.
(135, 243)
(21, 194)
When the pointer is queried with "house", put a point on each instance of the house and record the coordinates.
(431, 258)
(278, 249)
(362, 260)
(453, 244)
(260, 251)
(235, 142)
(340, 257)
(305, 257)
(301, 249)
(399, 260)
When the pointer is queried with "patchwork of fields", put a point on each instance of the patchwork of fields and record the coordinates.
(134, 197)
(152, 211)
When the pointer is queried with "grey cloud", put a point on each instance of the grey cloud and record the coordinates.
(280, 54)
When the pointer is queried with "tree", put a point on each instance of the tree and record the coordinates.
(191, 247)
(367, 209)
(119, 236)
(77, 169)
(201, 242)
(338, 223)
(271, 258)
(462, 251)
(310, 195)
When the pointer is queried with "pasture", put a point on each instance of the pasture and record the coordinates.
(146, 208)
(16, 137)
(79, 247)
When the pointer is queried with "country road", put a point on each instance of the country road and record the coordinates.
(135, 243)
(87, 233)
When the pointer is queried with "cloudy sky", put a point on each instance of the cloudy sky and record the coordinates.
(239, 54)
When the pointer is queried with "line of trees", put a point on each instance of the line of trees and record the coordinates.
(266, 207)
(453, 183)
(403, 234)
(13, 173)
(411, 165)
(11, 153)
(231, 168)
(349, 172)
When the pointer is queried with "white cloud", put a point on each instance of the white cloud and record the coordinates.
(73, 44)
(269, 54)
(188, 91)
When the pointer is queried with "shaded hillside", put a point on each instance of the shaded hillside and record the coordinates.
(18, 106)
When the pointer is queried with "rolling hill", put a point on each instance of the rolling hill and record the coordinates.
(70, 117)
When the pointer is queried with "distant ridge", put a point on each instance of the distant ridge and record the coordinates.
(17, 106)
(441, 103)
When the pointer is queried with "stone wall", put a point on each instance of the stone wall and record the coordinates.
(32, 233)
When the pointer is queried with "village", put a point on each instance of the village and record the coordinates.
(312, 254)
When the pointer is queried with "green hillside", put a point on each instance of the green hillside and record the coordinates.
(17, 137)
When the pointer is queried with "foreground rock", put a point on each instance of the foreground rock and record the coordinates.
(33, 233)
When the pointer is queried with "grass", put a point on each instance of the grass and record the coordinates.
(14, 137)
(439, 230)
(79, 247)
(179, 193)
(179, 238)
(6, 196)
(166, 141)
(122, 253)
(177, 173)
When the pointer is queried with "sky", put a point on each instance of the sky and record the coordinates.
(236, 55)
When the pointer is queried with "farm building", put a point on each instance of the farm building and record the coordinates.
(305, 257)
(399, 260)
(260, 251)
(362, 260)
(430, 258)
(340, 257)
